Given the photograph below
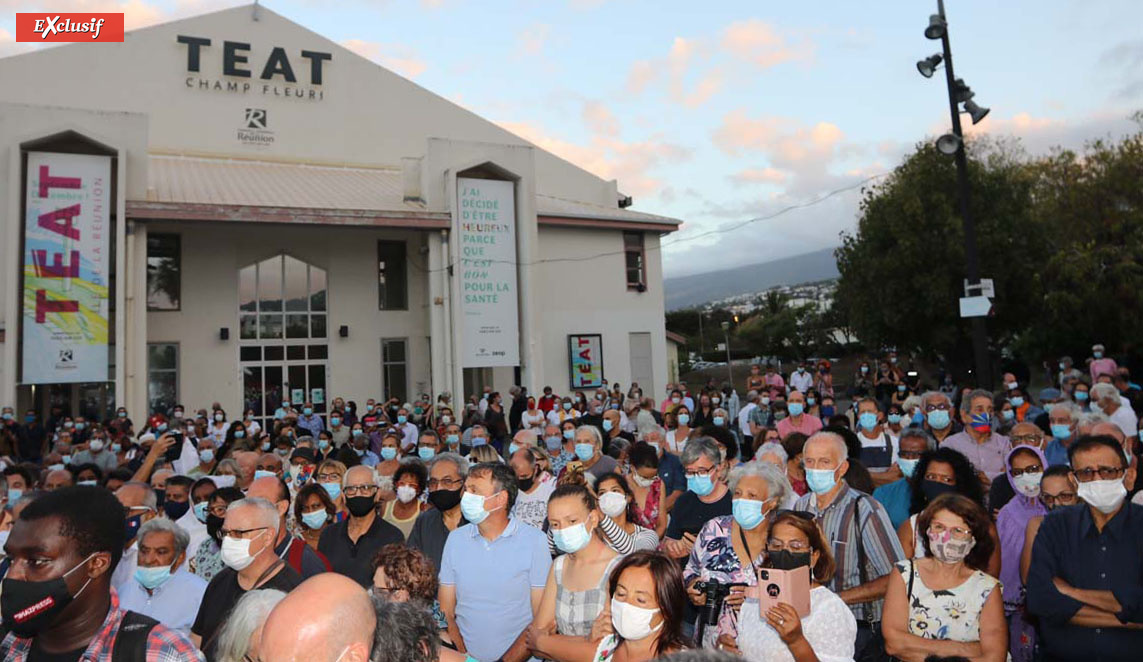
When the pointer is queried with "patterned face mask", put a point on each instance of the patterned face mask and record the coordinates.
(946, 549)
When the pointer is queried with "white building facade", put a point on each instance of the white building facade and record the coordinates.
(230, 208)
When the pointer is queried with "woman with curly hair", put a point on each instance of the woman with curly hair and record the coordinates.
(940, 472)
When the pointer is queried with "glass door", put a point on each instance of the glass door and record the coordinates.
(283, 342)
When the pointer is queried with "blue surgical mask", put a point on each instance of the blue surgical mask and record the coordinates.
(1081, 396)
(78, 426)
(567, 406)
(452, 439)
(402, 419)
(472, 507)
(918, 417)
(719, 421)
(512, 448)
(748, 512)
(700, 484)
(14, 494)
(116, 447)
(315, 520)
(607, 425)
(1017, 401)
(262, 473)
(358, 433)
(334, 421)
(426, 453)
(569, 434)
(684, 419)
(308, 411)
(388, 453)
(795, 408)
(907, 466)
(867, 420)
(323, 444)
(152, 578)
(333, 489)
(239, 434)
(265, 446)
(820, 481)
(585, 451)
(1008, 414)
(553, 443)
(894, 419)
(1062, 431)
(200, 511)
(939, 419)
(479, 441)
(1098, 355)
(572, 539)
(810, 402)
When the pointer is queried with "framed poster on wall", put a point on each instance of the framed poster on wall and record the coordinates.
(585, 360)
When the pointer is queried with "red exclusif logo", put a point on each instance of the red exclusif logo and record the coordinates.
(69, 27)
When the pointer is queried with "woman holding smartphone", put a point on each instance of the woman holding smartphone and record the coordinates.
(778, 634)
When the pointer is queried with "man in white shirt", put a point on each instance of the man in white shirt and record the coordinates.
(802, 379)
(878, 446)
(408, 430)
(161, 586)
(744, 414)
(1106, 397)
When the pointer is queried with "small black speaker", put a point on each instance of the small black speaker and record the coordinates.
(343, 331)
(224, 333)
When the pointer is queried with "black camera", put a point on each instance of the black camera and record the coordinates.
(715, 592)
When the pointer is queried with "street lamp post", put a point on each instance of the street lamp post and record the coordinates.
(958, 92)
(729, 368)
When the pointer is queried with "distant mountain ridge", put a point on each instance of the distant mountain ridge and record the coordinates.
(697, 289)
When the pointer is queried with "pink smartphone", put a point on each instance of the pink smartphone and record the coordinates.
(789, 586)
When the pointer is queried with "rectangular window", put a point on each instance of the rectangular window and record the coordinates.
(393, 282)
(164, 271)
(162, 376)
(394, 368)
(636, 259)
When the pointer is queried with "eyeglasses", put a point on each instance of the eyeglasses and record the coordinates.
(1105, 473)
(446, 483)
(218, 511)
(936, 530)
(1033, 469)
(947, 480)
(1062, 499)
(1026, 439)
(363, 490)
(239, 534)
(775, 545)
(329, 478)
(942, 406)
(382, 592)
(699, 472)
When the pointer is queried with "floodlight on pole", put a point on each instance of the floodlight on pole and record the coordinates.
(948, 144)
(936, 28)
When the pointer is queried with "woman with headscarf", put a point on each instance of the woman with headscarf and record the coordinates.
(1026, 466)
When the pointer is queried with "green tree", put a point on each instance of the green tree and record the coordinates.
(902, 270)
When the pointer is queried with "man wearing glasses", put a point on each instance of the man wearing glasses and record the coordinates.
(351, 544)
(1085, 582)
(248, 534)
(939, 419)
(447, 472)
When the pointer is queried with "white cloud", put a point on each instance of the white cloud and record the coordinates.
(396, 57)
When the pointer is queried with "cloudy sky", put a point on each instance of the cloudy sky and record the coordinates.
(722, 112)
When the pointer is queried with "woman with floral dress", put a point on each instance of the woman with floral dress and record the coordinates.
(729, 549)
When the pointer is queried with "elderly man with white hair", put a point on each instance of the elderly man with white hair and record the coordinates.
(248, 533)
(1064, 424)
(865, 545)
(1106, 397)
(670, 469)
(162, 586)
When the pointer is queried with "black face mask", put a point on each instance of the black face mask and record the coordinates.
(175, 510)
(525, 484)
(444, 500)
(29, 607)
(359, 506)
(786, 560)
(932, 489)
(214, 526)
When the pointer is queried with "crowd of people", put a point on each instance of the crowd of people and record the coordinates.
(762, 521)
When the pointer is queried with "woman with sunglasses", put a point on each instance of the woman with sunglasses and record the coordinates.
(779, 634)
(945, 604)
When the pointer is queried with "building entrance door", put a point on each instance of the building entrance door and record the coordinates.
(283, 339)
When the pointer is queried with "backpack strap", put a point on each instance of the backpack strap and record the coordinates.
(131, 639)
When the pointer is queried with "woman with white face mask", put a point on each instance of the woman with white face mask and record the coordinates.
(1026, 466)
(945, 604)
(576, 591)
(644, 618)
(409, 484)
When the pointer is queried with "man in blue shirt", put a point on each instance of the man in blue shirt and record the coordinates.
(897, 496)
(310, 421)
(1085, 582)
(493, 570)
(161, 586)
